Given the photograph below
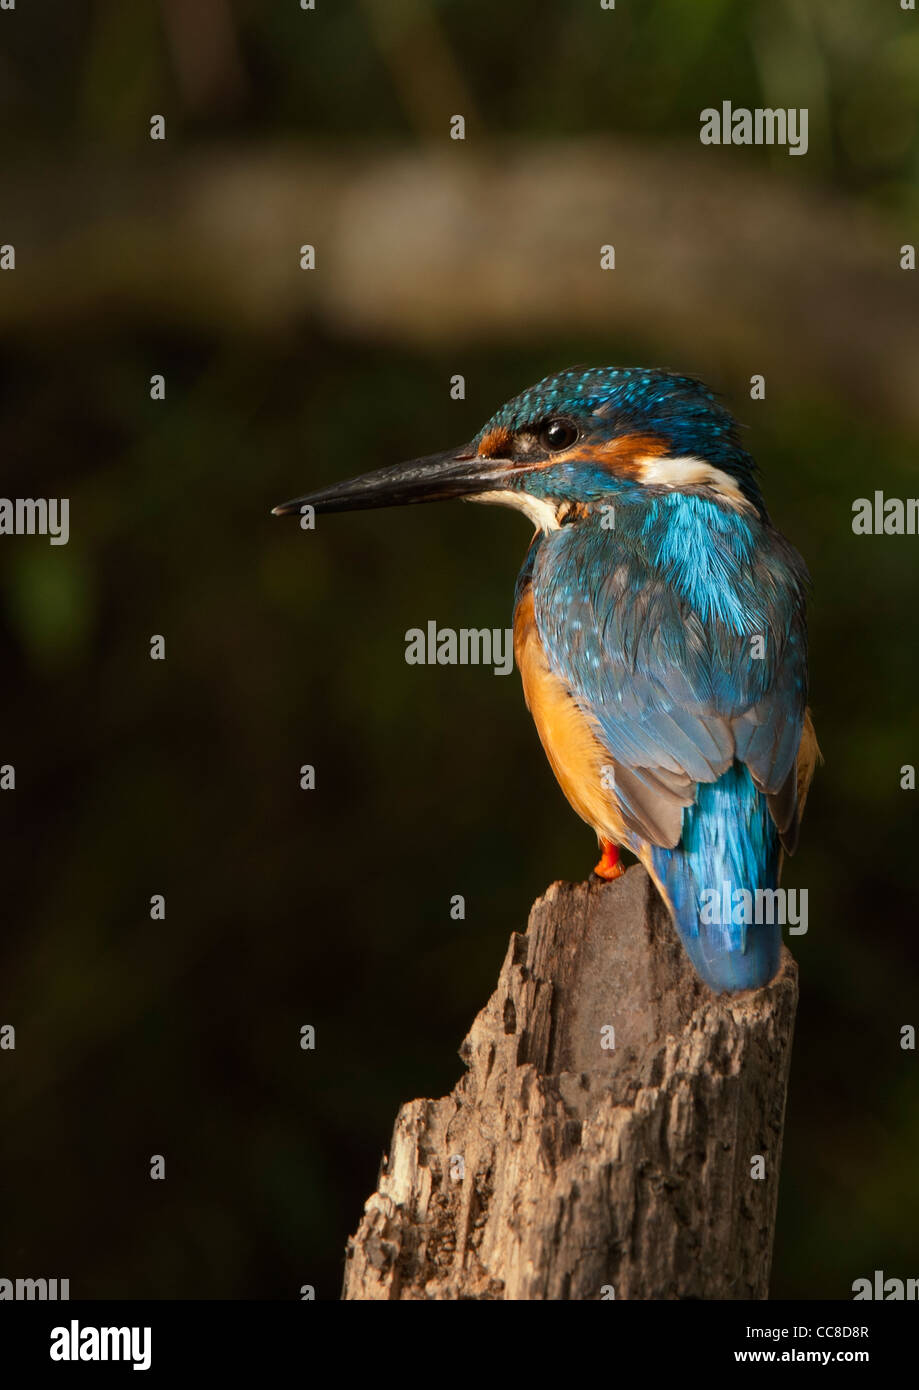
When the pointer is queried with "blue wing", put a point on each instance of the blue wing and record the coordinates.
(681, 636)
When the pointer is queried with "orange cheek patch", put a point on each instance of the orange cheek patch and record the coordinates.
(616, 455)
(621, 455)
(495, 444)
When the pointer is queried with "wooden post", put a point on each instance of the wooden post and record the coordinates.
(562, 1166)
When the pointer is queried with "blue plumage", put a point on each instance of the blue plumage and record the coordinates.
(660, 634)
(679, 630)
(729, 843)
(620, 400)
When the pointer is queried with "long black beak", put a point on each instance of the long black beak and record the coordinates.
(456, 473)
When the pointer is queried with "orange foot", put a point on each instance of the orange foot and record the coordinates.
(609, 866)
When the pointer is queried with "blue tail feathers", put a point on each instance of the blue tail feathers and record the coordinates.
(729, 843)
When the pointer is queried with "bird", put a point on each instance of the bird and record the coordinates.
(660, 634)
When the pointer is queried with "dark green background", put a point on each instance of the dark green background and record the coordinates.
(181, 777)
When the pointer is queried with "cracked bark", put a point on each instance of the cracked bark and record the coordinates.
(558, 1168)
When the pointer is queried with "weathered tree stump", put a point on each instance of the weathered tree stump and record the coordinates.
(560, 1167)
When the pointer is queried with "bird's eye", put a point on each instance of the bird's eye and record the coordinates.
(558, 434)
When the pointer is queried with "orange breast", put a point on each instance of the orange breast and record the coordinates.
(577, 757)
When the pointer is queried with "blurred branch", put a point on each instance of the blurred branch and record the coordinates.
(716, 259)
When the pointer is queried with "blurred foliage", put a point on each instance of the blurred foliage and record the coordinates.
(134, 777)
(390, 67)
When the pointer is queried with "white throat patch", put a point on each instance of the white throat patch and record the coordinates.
(541, 512)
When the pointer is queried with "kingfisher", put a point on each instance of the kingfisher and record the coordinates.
(660, 634)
